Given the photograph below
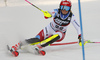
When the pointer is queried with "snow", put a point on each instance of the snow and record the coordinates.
(19, 20)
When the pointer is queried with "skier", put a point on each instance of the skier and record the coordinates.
(53, 32)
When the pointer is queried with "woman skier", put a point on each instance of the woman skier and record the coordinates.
(53, 32)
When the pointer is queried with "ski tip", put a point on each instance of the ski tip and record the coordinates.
(8, 47)
(42, 52)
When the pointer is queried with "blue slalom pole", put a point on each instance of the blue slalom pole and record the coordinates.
(81, 29)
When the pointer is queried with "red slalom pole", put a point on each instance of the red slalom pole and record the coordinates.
(63, 43)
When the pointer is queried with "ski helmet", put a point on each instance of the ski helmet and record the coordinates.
(65, 3)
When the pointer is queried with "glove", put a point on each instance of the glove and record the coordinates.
(45, 17)
(80, 42)
(79, 36)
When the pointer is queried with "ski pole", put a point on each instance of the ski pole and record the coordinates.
(56, 44)
(92, 42)
(46, 13)
(66, 43)
(63, 43)
(34, 5)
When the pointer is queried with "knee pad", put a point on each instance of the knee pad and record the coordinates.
(40, 35)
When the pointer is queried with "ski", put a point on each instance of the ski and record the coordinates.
(14, 53)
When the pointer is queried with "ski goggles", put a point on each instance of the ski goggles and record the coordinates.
(64, 7)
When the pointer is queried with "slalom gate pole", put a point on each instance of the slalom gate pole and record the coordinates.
(83, 51)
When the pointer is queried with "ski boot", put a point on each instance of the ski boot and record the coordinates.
(39, 51)
(14, 49)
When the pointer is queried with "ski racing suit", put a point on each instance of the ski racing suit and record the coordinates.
(59, 25)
